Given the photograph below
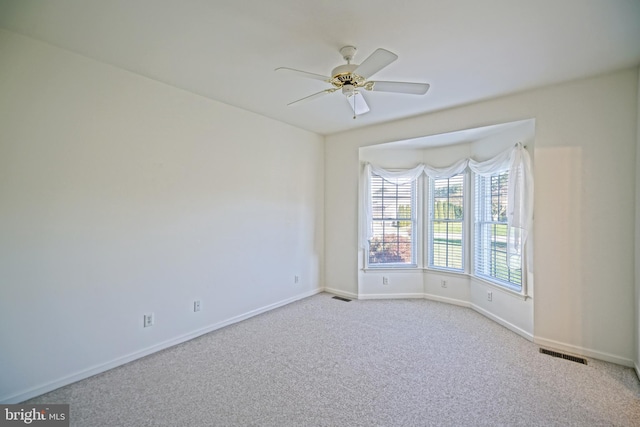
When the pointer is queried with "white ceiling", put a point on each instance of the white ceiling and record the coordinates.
(525, 127)
(227, 50)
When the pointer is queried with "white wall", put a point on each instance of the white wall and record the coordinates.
(637, 247)
(121, 196)
(584, 215)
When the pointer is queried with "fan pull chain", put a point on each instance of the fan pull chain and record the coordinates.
(354, 105)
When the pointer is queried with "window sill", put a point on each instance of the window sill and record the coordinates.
(409, 269)
(398, 269)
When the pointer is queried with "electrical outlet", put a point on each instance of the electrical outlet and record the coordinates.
(489, 296)
(385, 280)
(148, 320)
(196, 305)
(296, 279)
(443, 283)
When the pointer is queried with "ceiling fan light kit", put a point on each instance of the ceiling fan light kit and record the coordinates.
(349, 78)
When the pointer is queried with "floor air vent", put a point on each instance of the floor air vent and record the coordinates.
(564, 356)
(342, 299)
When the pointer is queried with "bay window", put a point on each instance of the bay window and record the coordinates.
(502, 206)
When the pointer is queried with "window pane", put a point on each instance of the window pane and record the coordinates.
(392, 222)
(446, 211)
(391, 243)
(499, 197)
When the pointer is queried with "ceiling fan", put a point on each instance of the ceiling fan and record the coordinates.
(351, 78)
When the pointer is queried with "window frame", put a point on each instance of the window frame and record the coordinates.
(416, 214)
(430, 219)
(482, 208)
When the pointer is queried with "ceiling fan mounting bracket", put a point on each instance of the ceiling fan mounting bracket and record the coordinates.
(348, 52)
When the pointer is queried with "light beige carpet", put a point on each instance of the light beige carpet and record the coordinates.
(325, 362)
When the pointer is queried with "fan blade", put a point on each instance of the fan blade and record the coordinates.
(358, 104)
(304, 74)
(314, 96)
(401, 87)
(375, 62)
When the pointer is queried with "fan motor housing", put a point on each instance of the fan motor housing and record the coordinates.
(343, 75)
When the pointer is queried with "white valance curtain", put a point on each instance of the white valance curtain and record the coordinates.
(519, 191)
(447, 172)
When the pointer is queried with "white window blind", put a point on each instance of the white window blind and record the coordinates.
(446, 223)
(492, 231)
(392, 222)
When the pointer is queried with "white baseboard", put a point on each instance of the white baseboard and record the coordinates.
(97, 369)
(452, 301)
(581, 351)
(340, 293)
(503, 322)
(637, 370)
